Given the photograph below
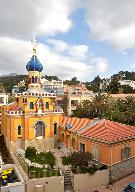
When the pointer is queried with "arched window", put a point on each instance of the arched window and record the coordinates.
(40, 129)
(55, 128)
(36, 79)
(47, 105)
(32, 79)
(31, 105)
(19, 128)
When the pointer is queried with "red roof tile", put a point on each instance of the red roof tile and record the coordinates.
(15, 107)
(108, 131)
(75, 123)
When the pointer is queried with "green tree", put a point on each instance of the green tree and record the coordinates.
(95, 84)
(94, 108)
(113, 86)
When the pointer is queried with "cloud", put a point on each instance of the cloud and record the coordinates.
(112, 21)
(101, 64)
(21, 19)
(43, 17)
(15, 53)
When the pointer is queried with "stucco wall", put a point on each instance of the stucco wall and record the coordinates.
(87, 181)
(48, 184)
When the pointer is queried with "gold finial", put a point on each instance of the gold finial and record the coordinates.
(34, 43)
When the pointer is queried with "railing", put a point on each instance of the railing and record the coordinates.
(22, 163)
(15, 112)
(33, 172)
(37, 94)
(42, 112)
(58, 111)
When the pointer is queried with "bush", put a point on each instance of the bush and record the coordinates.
(103, 167)
(65, 160)
(92, 170)
(41, 158)
(30, 153)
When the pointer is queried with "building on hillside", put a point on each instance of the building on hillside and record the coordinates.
(109, 142)
(3, 101)
(73, 95)
(128, 82)
(122, 95)
(53, 86)
(104, 84)
(15, 89)
(32, 120)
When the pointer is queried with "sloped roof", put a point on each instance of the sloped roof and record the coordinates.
(75, 123)
(15, 107)
(109, 131)
(99, 129)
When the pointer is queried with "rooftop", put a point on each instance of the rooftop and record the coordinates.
(99, 129)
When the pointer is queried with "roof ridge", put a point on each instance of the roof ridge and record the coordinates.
(90, 124)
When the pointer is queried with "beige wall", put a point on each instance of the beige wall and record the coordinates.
(87, 181)
(50, 184)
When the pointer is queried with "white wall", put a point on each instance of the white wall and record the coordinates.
(87, 181)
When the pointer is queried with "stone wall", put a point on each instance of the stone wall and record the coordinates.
(41, 145)
(122, 169)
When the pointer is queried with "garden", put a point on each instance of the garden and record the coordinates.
(6, 158)
(82, 162)
(8, 176)
(40, 164)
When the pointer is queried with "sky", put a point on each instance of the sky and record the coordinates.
(76, 38)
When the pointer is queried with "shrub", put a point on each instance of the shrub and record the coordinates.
(65, 160)
(30, 153)
(41, 158)
(103, 167)
(46, 158)
(92, 170)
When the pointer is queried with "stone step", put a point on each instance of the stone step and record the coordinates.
(67, 179)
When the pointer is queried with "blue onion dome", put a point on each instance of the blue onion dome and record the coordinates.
(34, 64)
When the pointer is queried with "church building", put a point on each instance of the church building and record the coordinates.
(33, 119)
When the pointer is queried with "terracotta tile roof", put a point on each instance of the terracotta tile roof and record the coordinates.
(74, 123)
(15, 107)
(108, 131)
(122, 95)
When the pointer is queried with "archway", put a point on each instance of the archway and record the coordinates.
(40, 129)
(55, 128)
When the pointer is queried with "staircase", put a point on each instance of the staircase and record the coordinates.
(67, 180)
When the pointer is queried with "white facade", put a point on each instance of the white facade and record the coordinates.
(76, 94)
(3, 98)
(53, 85)
(128, 82)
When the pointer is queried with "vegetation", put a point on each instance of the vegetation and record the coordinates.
(6, 158)
(35, 172)
(14, 80)
(94, 85)
(103, 106)
(41, 158)
(73, 81)
(93, 109)
(82, 163)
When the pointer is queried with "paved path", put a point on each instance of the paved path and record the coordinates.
(68, 188)
(116, 187)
